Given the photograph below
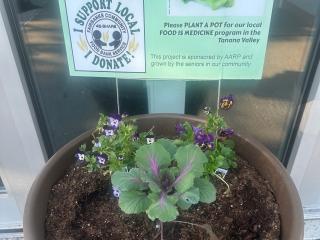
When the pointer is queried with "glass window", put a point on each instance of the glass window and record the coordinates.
(264, 109)
(67, 105)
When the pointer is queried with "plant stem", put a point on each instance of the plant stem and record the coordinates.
(193, 224)
(161, 230)
(205, 227)
(150, 130)
(221, 179)
(218, 98)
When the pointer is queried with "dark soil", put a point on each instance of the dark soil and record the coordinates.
(82, 207)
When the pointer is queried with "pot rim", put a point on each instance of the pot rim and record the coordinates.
(31, 223)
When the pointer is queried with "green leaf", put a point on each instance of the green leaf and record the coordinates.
(220, 160)
(227, 152)
(127, 181)
(188, 198)
(183, 205)
(216, 4)
(164, 210)
(152, 158)
(174, 171)
(132, 202)
(185, 183)
(229, 143)
(173, 199)
(190, 158)
(154, 197)
(229, 3)
(206, 189)
(178, 142)
(149, 179)
(188, 135)
(83, 147)
(192, 196)
(154, 187)
(168, 145)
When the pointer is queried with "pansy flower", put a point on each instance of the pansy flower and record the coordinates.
(227, 132)
(180, 128)
(102, 158)
(108, 130)
(196, 130)
(207, 110)
(150, 139)
(124, 115)
(135, 136)
(205, 141)
(80, 156)
(96, 143)
(226, 102)
(114, 120)
(116, 192)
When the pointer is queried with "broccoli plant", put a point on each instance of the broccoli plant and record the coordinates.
(214, 4)
(166, 178)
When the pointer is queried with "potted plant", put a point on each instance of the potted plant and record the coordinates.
(163, 176)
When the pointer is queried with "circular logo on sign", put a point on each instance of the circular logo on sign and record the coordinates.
(107, 34)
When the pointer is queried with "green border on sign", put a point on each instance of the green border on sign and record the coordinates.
(184, 46)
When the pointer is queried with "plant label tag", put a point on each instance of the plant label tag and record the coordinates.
(221, 172)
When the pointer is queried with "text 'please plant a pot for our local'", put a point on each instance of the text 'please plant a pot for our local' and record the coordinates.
(163, 176)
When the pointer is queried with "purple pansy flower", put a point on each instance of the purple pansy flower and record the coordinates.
(135, 136)
(114, 120)
(102, 158)
(180, 128)
(207, 110)
(205, 141)
(116, 192)
(80, 155)
(226, 102)
(197, 130)
(97, 143)
(108, 130)
(227, 132)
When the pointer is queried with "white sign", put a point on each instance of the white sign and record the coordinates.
(107, 35)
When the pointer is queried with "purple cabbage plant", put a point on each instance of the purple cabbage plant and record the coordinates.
(166, 179)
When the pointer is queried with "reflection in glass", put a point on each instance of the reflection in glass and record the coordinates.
(265, 109)
(2, 188)
(69, 105)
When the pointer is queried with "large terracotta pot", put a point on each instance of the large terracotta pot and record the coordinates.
(164, 125)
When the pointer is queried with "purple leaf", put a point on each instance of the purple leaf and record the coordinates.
(154, 166)
(152, 158)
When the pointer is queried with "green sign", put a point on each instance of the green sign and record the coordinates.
(166, 39)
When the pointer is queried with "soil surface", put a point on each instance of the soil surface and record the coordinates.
(82, 207)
